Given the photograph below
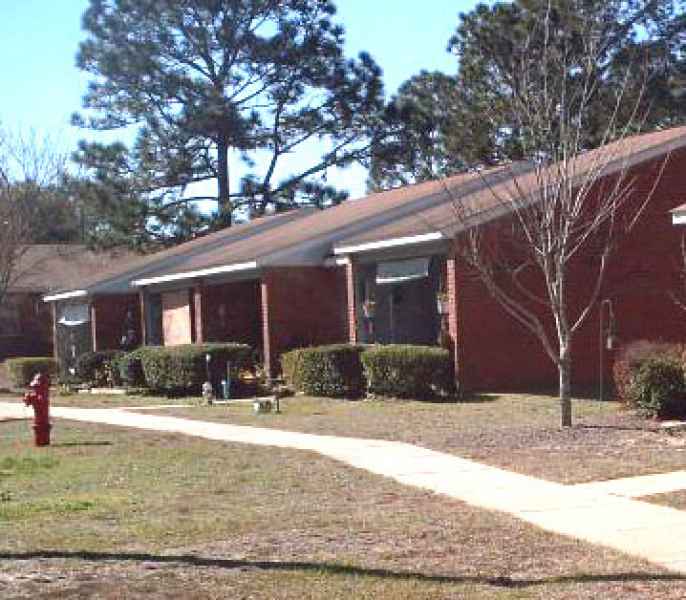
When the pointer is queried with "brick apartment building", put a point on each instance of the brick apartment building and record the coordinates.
(304, 277)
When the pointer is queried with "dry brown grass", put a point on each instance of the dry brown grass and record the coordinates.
(513, 431)
(112, 513)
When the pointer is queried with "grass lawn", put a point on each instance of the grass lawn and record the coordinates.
(112, 513)
(512, 431)
(106, 400)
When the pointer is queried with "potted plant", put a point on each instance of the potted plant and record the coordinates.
(442, 303)
(369, 308)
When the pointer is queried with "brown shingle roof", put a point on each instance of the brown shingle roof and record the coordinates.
(484, 202)
(308, 237)
(315, 233)
(48, 267)
(117, 279)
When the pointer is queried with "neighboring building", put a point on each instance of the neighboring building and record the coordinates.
(309, 277)
(26, 324)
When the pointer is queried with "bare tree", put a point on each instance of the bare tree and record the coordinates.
(563, 200)
(29, 167)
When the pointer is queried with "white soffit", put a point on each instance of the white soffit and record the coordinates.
(679, 219)
(392, 243)
(65, 296)
(195, 274)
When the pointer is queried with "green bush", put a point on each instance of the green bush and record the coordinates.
(331, 371)
(408, 371)
(658, 388)
(21, 370)
(630, 359)
(129, 367)
(183, 369)
(98, 368)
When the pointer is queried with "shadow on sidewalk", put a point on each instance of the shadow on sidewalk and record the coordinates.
(338, 569)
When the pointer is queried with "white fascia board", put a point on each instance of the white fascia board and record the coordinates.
(195, 274)
(393, 243)
(65, 296)
(679, 219)
(340, 261)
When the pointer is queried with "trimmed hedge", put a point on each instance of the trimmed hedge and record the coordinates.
(658, 388)
(98, 368)
(21, 370)
(649, 377)
(347, 371)
(182, 369)
(403, 371)
(129, 367)
(632, 357)
(331, 371)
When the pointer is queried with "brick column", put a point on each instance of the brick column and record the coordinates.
(351, 276)
(94, 325)
(55, 343)
(267, 345)
(198, 316)
(454, 321)
(143, 300)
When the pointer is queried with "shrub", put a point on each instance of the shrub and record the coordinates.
(331, 371)
(21, 370)
(129, 367)
(632, 357)
(182, 369)
(408, 371)
(98, 368)
(658, 388)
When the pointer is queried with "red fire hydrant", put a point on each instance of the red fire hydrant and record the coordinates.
(39, 398)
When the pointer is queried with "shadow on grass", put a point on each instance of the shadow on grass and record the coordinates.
(337, 569)
(478, 398)
(76, 444)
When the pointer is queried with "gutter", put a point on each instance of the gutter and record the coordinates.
(65, 296)
(248, 266)
(392, 243)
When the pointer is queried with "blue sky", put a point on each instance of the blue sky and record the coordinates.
(41, 87)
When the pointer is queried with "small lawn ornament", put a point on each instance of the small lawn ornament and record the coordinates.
(261, 406)
(208, 392)
(38, 397)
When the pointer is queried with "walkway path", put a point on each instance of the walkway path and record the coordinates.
(656, 533)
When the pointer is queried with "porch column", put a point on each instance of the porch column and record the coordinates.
(269, 356)
(94, 325)
(143, 300)
(55, 344)
(454, 322)
(198, 315)
(351, 277)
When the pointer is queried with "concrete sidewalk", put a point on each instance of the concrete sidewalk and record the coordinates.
(655, 533)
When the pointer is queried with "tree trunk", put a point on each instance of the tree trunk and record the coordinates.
(564, 369)
(224, 199)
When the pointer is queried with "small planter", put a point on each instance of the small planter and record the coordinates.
(442, 305)
(369, 309)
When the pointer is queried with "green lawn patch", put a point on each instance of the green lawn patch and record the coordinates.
(109, 512)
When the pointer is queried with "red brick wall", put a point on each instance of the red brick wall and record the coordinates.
(34, 326)
(108, 318)
(498, 353)
(231, 313)
(302, 306)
